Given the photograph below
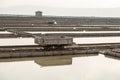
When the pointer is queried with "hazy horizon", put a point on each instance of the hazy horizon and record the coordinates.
(96, 8)
(58, 11)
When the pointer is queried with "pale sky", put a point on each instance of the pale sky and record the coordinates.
(63, 3)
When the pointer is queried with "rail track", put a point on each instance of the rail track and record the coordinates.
(74, 35)
(63, 28)
(36, 50)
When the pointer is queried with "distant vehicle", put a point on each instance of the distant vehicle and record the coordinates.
(53, 41)
(52, 22)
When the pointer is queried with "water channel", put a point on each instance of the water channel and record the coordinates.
(71, 67)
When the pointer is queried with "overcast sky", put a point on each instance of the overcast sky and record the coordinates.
(63, 3)
(100, 8)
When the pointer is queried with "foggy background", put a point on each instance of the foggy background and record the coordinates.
(97, 8)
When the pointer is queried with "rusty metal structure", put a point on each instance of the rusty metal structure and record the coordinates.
(53, 41)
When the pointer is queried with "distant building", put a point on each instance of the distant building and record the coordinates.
(38, 13)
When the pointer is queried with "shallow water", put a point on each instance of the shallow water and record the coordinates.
(44, 32)
(85, 40)
(5, 32)
(80, 67)
(94, 40)
(82, 40)
(16, 41)
(61, 68)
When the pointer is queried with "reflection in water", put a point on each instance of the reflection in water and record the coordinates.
(55, 62)
(73, 67)
(49, 61)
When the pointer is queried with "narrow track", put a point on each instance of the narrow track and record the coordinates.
(74, 35)
(76, 46)
(37, 51)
